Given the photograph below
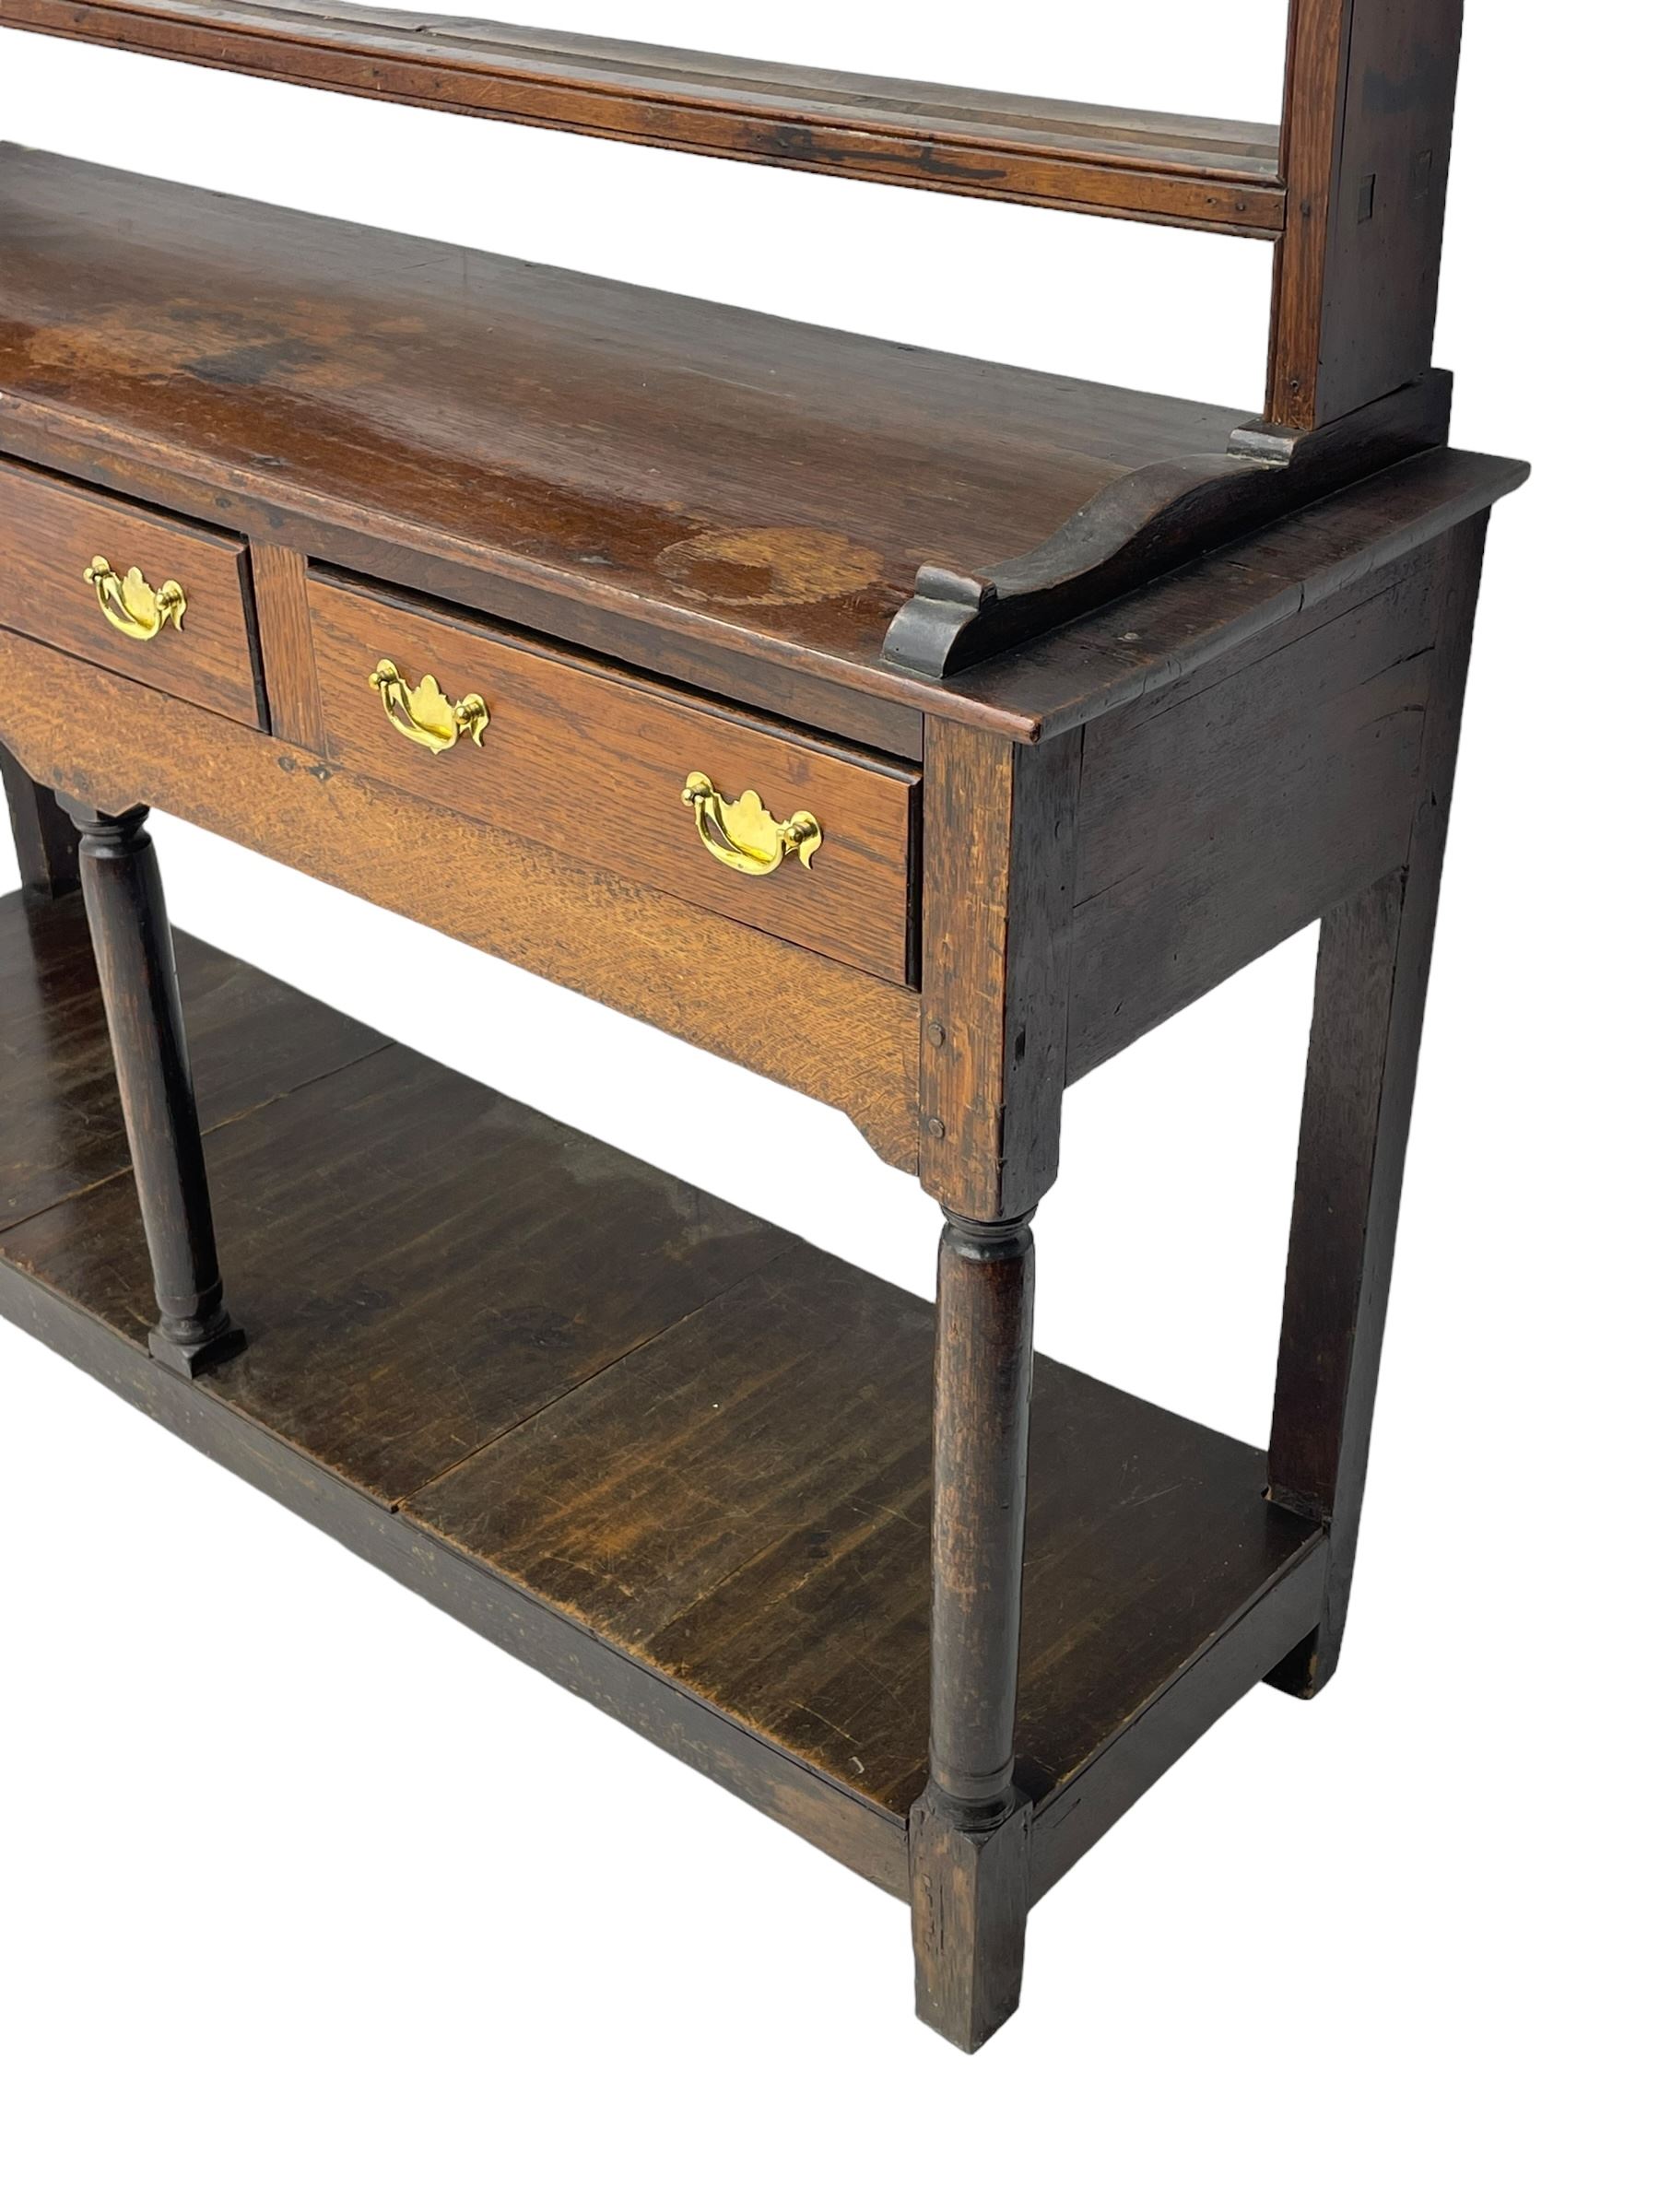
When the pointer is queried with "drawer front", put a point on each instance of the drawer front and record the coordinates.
(195, 642)
(598, 764)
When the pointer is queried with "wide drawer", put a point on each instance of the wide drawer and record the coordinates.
(640, 780)
(161, 601)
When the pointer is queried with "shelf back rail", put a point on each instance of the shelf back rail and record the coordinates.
(1350, 187)
(1046, 153)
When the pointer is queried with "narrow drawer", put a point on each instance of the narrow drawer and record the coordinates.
(164, 602)
(599, 764)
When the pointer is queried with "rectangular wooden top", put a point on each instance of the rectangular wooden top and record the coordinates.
(735, 500)
(771, 483)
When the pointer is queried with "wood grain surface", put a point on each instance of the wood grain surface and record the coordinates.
(126, 907)
(1156, 636)
(996, 950)
(1222, 815)
(746, 1502)
(767, 485)
(50, 534)
(250, 1037)
(595, 762)
(814, 1024)
(696, 1440)
(1367, 138)
(47, 844)
(504, 1258)
(1370, 995)
(286, 647)
(868, 1841)
(1052, 153)
(943, 1608)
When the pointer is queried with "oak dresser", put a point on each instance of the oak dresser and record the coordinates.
(914, 730)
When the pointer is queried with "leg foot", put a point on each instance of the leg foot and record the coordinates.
(970, 1893)
(1303, 1673)
(194, 1358)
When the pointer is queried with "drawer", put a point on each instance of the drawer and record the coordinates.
(199, 648)
(599, 764)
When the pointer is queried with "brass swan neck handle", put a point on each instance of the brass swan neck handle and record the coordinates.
(424, 715)
(741, 834)
(131, 606)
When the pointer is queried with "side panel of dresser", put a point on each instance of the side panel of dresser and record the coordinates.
(809, 1023)
(1225, 812)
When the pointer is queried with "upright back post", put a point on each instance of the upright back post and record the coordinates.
(1365, 143)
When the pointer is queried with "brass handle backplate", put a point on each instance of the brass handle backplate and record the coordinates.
(131, 606)
(424, 715)
(741, 834)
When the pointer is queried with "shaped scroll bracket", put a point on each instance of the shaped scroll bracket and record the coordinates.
(1151, 521)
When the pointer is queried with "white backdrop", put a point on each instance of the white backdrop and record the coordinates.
(309, 1896)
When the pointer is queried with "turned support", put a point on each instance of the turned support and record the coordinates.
(970, 1829)
(48, 848)
(127, 914)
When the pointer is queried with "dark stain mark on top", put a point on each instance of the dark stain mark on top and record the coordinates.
(251, 365)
